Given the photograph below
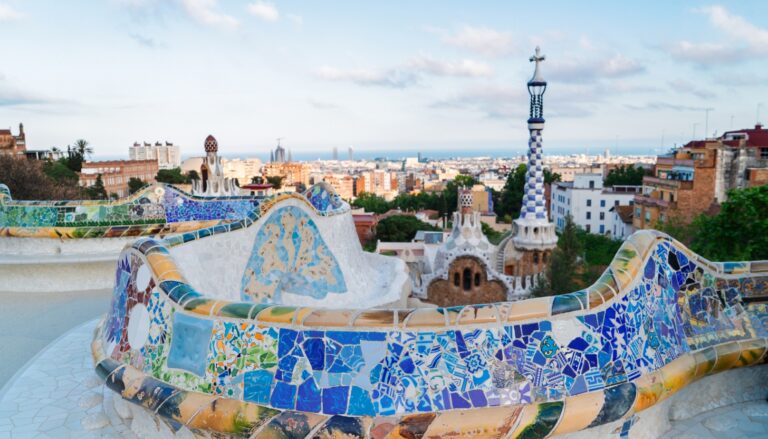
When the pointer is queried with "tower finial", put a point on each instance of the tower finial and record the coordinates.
(537, 58)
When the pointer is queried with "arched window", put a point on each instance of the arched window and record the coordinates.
(535, 257)
(477, 279)
(456, 279)
(467, 279)
(544, 257)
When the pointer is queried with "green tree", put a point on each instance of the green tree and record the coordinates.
(510, 200)
(561, 272)
(83, 148)
(400, 228)
(739, 232)
(29, 180)
(276, 181)
(172, 176)
(97, 191)
(193, 175)
(60, 172)
(493, 235)
(371, 203)
(135, 184)
(625, 175)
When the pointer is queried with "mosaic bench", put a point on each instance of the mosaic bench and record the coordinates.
(659, 318)
(155, 210)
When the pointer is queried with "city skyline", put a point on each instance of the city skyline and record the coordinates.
(324, 77)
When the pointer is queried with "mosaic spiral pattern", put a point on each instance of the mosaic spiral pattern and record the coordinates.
(658, 318)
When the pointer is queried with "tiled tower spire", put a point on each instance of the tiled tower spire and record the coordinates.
(533, 231)
(534, 205)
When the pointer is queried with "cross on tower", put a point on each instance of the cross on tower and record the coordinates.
(538, 57)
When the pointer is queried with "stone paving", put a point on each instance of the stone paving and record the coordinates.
(30, 322)
(59, 396)
(745, 420)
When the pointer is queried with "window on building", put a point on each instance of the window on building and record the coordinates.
(456, 279)
(647, 216)
(602, 229)
(616, 203)
(589, 203)
(602, 203)
(638, 212)
(589, 228)
(591, 184)
(764, 153)
(467, 279)
(602, 215)
(589, 215)
(535, 258)
(477, 279)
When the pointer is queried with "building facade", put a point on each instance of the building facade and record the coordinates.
(589, 202)
(115, 174)
(11, 144)
(696, 177)
(167, 154)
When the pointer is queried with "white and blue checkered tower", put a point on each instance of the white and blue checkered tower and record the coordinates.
(533, 231)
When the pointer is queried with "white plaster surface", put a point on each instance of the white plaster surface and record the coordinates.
(50, 264)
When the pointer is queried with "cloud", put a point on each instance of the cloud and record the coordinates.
(706, 53)
(483, 40)
(322, 105)
(747, 41)
(737, 27)
(144, 41)
(206, 12)
(407, 74)
(493, 101)
(586, 71)
(664, 106)
(461, 68)
(392, 78)
(264, 10)
(7, 13)
(683, 86)
(741, 79)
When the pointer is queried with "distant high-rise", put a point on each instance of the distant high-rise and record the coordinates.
(167, 154)
(350, 154)
(335, 153)
(279, 154)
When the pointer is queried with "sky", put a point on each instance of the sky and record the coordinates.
(429, 76)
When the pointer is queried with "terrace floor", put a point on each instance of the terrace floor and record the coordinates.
(31, 321)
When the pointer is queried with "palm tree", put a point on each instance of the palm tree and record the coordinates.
(83, 148)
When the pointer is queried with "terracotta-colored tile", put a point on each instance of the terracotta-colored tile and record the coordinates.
(579, 411)
(425, 317)
(329, 318)
(486, 423)
(530, 309)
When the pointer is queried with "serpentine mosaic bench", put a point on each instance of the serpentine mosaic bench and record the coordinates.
(192, 353)
(157, 209)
